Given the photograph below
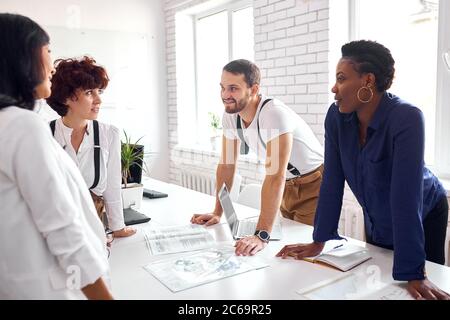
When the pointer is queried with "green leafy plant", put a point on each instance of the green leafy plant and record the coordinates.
(214, 122)
(131, 155)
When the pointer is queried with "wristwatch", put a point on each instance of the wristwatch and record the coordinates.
(263, 235)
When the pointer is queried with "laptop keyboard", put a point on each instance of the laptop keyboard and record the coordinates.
(247, 227)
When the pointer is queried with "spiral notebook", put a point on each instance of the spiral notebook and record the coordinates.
(343, 257)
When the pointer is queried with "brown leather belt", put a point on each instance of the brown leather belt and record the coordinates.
(306, 178)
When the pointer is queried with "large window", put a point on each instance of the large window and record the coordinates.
(220, 34)
(415, 34)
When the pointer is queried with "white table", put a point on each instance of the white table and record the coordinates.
(278, 281)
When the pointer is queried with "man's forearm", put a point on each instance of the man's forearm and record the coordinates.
(224, 174)
(271, 196)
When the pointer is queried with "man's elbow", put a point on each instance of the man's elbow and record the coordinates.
(277, 179)
(226, 167)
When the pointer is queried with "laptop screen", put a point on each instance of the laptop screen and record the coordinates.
(227, 206)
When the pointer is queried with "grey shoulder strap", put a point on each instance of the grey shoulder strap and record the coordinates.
(290, 167)
(96, 154)
(53, 126)
(244, 145)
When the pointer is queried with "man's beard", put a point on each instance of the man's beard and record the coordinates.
(238, 106)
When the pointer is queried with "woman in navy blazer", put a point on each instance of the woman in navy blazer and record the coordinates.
(375, 142)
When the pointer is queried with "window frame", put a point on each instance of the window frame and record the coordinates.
(441, 165)
(442, 149)
(229, 7)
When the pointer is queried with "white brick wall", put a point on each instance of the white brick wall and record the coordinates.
(300, 35)
(291, 49)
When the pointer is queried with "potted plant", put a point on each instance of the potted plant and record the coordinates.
(215, 137)
(132, 158)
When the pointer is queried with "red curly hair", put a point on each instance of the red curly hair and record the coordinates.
(72, 75)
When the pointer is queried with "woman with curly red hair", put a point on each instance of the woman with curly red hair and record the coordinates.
(76, 89)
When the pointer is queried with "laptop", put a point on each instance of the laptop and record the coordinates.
(245, 227)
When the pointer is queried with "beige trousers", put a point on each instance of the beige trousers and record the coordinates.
(99, 204)
(300, 197)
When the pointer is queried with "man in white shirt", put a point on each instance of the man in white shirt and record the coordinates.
(293, 155)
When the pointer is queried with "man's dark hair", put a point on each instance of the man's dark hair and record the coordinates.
(250, 71)
(21, 65)
(371, 57)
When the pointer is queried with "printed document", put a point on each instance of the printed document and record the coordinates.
(172, 239)
(202, 267)
(352, 286)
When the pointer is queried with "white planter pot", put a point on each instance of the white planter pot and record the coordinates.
(132, 195)
(216, 143)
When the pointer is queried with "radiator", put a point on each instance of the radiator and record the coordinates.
(198, 181)
(352, 221)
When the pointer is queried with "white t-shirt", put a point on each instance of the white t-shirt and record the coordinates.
(50, 232)
(109, 184)
(276, 119)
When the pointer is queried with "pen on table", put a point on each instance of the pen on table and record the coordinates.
(294, 254)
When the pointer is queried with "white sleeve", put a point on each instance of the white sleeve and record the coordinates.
(274, 121)
(41, 174)
(229, 126)
(113, 193)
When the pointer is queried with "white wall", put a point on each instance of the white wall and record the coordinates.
(134, 16)
(291, 49)
(295, 47)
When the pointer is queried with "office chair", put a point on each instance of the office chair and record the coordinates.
(251, 196)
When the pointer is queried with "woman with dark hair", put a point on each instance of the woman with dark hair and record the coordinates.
(76, 89)
(52, 244)
(375, 142)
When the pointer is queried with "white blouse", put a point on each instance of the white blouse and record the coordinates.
(51, 240)
(110, 182)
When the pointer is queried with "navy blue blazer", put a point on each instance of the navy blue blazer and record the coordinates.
(387, 176)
